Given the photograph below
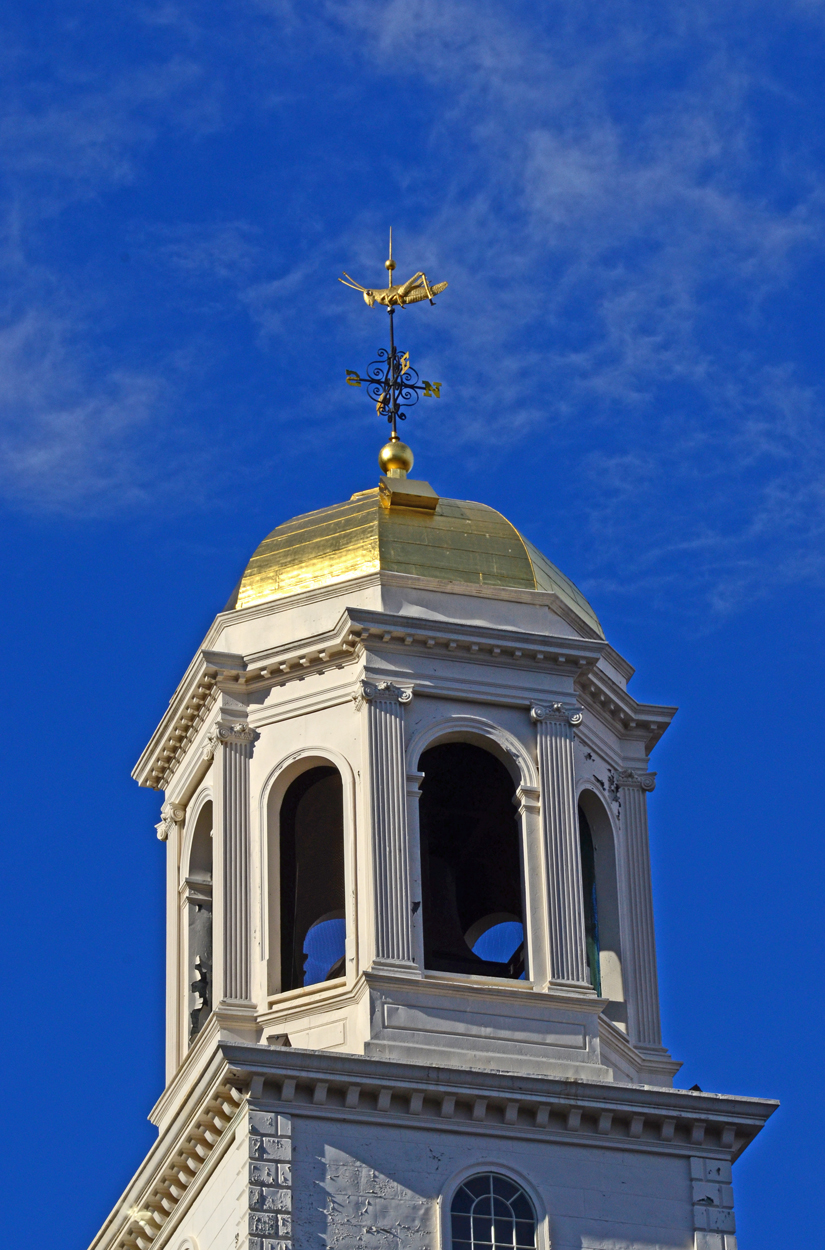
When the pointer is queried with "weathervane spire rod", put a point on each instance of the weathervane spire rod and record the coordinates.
(391, 381)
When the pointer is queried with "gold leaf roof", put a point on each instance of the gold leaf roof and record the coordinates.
(458, 542)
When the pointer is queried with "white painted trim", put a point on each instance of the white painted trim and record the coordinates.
(588, 783)
(480, 732)
(181, 988)
(620, 868)
(193, 811)
(480, 1168)
(278, 780)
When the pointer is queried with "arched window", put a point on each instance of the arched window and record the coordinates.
(471, 877)
(199, 923)
(490, 1212)
(311, 860)
(601, 904)
(591, 903)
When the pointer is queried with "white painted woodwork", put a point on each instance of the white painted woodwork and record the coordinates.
(231, 744)
(644, 1023)
(382, 706)
(555, 730)
(371, 1096)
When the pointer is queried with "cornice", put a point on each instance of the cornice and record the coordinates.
(178, 1165)
(620, 711)
(357, 633)
(641, 1117)
(482, 644)
(617, 661)
(406, 581)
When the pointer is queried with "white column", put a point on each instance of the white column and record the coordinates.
(643, 1000)
(230, 744)
(382, 704)
(568, 953)
(169, 830)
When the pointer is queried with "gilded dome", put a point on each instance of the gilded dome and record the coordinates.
(456, 541)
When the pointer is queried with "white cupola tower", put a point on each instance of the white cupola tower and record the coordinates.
(411, 978)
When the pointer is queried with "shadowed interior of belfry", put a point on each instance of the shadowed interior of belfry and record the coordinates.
(313, 927)
(470, 864)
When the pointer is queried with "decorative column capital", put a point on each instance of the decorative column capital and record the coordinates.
(381, 691)
(630, 779)
(171, 814)
(225, 732)
(561, 713)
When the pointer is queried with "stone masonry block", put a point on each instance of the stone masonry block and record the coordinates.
(263, 1225)
(704, 1241)
(266, 1173)
(278, 1149)
(266, 1243)
(707, 1195)
(713, 1219)
(263, 1198)
(274, 1174)
(264, 1123)
(712, 1170)
(269, 1123)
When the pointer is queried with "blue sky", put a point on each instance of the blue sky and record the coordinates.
(628, 202)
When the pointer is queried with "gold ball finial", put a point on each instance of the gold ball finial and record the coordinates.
(389, 264)
(395, 458)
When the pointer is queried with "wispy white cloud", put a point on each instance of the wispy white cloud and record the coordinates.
(67, 434)
(594, 188)
(613, 239)
(74, 426)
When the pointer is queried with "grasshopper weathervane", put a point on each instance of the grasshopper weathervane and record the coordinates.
(391, 380)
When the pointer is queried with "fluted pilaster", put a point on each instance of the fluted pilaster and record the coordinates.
(643, 1005)
(382, 703)
(230, 744)
(555, 727)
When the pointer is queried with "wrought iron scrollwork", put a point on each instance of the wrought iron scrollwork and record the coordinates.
(392, 381)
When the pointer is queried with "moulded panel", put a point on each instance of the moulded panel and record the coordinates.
(444, 1020)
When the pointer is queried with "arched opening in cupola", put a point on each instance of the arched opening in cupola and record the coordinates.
(198, 913)
(311, 901)
(601, 904)
(471, 871)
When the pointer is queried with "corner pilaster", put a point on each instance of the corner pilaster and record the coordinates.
(555, 726)
(643, 1005)
(230, 745)
(382, 705)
